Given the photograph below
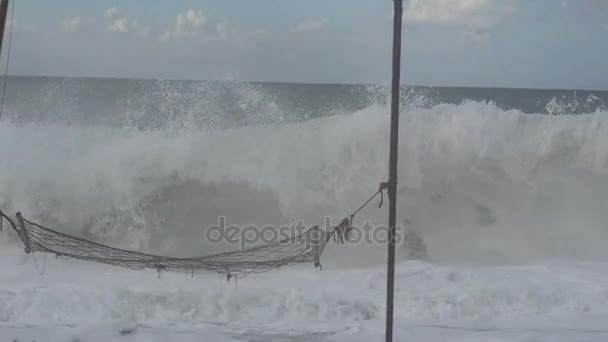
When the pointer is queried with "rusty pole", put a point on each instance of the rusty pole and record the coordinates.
(392, 173)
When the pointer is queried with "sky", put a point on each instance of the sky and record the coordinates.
(489, 43)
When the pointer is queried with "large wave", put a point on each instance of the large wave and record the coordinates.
(476, 183)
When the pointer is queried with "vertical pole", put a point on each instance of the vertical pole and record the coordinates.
(3, 12)
(392, 173)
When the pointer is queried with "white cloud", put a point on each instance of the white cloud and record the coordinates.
(117, 22)
(195, 25)
(112, 12)
(75, 23)
(190, 19)
(119, 25)
(563, 5)
(189, 24)
(472, 14)
(476, 18)
(312, 25)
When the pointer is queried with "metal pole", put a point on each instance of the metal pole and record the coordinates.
(3, 12)
(392, 171)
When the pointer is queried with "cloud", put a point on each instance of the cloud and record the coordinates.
(189, 24)
(195, 25)
(563, 5)
(75, 23)
(112, 12)
(605, 26)
(119, 25)
(477, 18)
(312, 25)
(190, 19)
(471, 14)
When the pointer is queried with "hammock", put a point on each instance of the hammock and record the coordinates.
(302, 248)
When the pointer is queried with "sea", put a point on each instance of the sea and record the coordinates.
(504, 190)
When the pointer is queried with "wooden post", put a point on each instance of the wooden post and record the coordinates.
(23, 233)
(392, 173)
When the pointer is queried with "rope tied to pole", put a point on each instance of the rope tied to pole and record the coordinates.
(342, 231)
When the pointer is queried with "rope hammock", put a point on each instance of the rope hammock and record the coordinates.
(301, 248)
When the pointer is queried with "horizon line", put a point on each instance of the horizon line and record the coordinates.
(300, 83)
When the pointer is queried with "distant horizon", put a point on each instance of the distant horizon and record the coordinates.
(96, 77)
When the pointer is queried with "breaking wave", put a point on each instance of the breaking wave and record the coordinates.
(476, 182)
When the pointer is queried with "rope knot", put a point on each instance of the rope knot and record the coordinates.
(343, 230)
(384, 186)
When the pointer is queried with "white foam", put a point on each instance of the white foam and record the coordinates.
(476, 182)
(72, 293)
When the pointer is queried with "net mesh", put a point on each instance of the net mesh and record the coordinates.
(305, 247)
(301, 248)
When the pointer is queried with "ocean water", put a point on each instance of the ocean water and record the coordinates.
(506, 189)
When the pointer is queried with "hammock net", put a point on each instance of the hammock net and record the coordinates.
(305, 247)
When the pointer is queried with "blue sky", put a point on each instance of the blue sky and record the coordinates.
(508, 43)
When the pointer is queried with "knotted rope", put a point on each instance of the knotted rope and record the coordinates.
(342, 231)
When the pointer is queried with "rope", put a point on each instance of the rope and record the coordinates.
(301, 248)
(10, 221)
(342, 232)
(40, 272)
(380, 192)
(8, 58)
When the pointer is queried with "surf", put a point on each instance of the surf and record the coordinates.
(476, 182)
